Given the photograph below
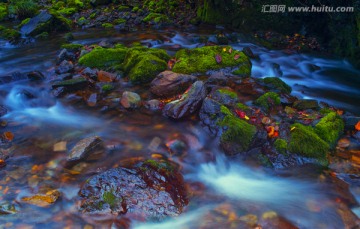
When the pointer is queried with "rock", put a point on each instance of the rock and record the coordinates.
(201, 60)
(101, 57)
(84, 148)
(248, 52)
(43, 200)
(277, 84)
(91, 73)
(188, 104)
(99, 2)
(169, 83)
(65, 55)
(154, 105)
(3, 110)
(222, 39)
(268, 100)
(130, 100)
(350, 121)
(103, 76)
(92, 100)
(210, 114)
(8, 208)
(35, 76)
(176, 147)
(46, 22)
(225, 96)
(72, 84)
(65, 67)
(12, 77)
(151, 190)
(304, 104)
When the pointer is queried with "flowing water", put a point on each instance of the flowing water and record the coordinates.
(225, 185)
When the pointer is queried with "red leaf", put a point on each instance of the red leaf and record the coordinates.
(240, 113)
(218, 58)
(237, 56)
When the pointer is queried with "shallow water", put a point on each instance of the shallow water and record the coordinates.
(38, 123)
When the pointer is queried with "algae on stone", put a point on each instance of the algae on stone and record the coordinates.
(102, 57)
(267, 100)
(330, 128)
(278, 84)
(201, 60)
(304, 141)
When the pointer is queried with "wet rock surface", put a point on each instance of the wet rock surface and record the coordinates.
(84, 148)
(130, 100)
(169, 83)
(188, 104)
(152, 189)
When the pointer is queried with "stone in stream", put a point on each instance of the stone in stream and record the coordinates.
(130, 100)
(66, 55)
(3, 110)
(169, 83)
(151, 190)
(72, 84)
(188, 104)
(84, 148)
(305, 104)
(64, 67)
(45, 22)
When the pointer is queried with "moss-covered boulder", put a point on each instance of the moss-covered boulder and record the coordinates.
(237, 134)
(201, 60)
(304, 141)
(46, 21)
(103, 57)
(281, 145)
(267, 100)
(330, 128)
(156, 18)
(9, 34)
(225, 96)
(277, 84)
(142, 64)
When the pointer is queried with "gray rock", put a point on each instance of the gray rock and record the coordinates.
(153, 105)
(130, 100)
(72, 84)
(84, 148)
(169, 83)
(65, 67)
(31, 28)
(188, 104)
(304, 104)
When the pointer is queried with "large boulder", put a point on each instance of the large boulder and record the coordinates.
(169, 83)
(151, 190)
(201, 60)
(188, 104)
(46, 21)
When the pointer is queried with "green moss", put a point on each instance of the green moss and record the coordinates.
(119, 21)
(242, 106)
(82, 21)
(60, 23)
(330, 128)
(107, 25)
(224, 110)
(135, 9)
(304, 141)
(9, 34)
(159, 165)
(72, 47)
(70, 82)
(67, 11)
(101, 57)
(278, 84)
(325, 111)
(43, 35)
(228, 92)
(236, 131)
(147, 69)
(201, 60)
(155, 17)
(107, 88)
(23, 22)
(93, 15)
(243, 70)
(77, 4)
(280, 145)
(210, 13)
(3, 11)
(110, 198)
(23, 8)
(267, 100)
(123, 8)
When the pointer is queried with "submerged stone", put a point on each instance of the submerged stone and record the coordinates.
(130, 100)
(72, 84)
(84, 148)
(150, 190)
(304, 104)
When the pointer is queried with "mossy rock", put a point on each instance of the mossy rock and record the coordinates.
(119, 21)
(267, 100)
(156, 18)
(304, 141)
(9, 34)
(277, 84)
(107, 25)
(143, 64)
(237, 134)
(3, 11)
(281, 145)
(72, 47)
(201, 60)
(102, 57)
(225, 96)
(330, 128)
(67, 11)
(242, 106)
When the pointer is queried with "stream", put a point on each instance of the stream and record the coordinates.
(302, 196)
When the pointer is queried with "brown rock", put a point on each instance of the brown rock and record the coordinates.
(106, 76)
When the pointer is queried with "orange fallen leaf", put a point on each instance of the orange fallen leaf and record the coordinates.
(357, 126)
(230, 50)
(9, 136)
